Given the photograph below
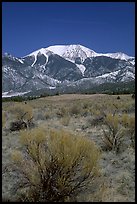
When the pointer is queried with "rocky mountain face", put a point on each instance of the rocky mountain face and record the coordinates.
(64, 66)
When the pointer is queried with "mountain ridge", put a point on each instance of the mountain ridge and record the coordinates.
(62, 50)
(64, 64)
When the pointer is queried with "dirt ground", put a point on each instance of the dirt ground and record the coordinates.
(76, 113)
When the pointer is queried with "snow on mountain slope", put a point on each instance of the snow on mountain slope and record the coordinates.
(111, 75)
(51, 68)
(12, 58)
(108, 77)
(41, 51)
(82, 68)
(72, 51)
(52, 82)
(10, 94)
(132, 61)
(117, 55)
(58, 49)
(128, 75)
(19, 60)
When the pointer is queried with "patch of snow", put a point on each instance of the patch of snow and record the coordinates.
(47, 77)
(82, 68)
(35, 56)
(20, 60)
(128, 75)
(11, 93)
(132, 61)
(51, 87)
(58, 49)
(111, 74)
(117, 55)
(73, 61)
(43, 51)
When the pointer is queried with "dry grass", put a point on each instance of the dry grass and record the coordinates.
(65, 120)
(75, 113)
(3, 119)
(19, 109)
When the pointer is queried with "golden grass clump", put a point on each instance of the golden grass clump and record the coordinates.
(54, 165)
(65, 120)
(113, 134)
(62, 111)
(113, 121)
(75, 109)
(19, 109)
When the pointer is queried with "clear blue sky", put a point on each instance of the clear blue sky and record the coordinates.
(101, 26)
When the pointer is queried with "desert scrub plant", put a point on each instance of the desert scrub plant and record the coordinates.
(113, 134)
(19, 109)
(54, 165)
(62, 111)
(65, 120)
(23, 115)
(75, 109)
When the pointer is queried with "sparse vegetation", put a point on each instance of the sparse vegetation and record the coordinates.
(129, 123)
(96, 117)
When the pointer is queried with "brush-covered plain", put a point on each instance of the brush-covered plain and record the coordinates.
(97, 133)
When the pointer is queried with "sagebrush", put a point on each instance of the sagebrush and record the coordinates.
(54, 165)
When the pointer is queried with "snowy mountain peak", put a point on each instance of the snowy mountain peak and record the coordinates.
(43, 51)
(117, 55)
(74, 51)
(71, 52)
(44, 70)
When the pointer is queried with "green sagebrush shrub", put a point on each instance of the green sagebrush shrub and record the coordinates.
(54, 165)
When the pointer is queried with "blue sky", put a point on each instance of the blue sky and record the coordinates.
(101, 26)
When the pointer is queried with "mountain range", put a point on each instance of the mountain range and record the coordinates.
(63, 68)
